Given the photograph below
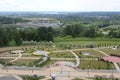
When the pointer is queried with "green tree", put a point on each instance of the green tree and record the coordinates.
(18, 39)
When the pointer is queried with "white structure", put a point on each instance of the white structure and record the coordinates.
(45, 53)
(105, 33)
(85, 54)
(114, 48)
(53, 76)
(17, 51)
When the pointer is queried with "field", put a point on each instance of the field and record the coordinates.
(23, 62)
(84, 40)
(111, 51)
(97, 79)
(61, 55)
(81, 43)
(92, 54)
(92, 64)
(6, 60)
(119, 64)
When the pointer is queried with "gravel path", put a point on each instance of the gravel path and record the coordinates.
(77, 58)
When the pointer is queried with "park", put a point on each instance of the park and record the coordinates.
(84, 63)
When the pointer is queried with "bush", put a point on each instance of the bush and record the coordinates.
(91, 45)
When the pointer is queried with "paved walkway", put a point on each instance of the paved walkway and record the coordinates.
(101, 52)
(17, 77)
(77, 58)
(65, 72)
(20, 55)
(8, 78)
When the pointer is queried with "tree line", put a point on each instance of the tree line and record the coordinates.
(10, 20)
(13, 36)
(79, 30)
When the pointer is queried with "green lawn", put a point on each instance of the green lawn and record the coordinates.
(96, 79)
(23, 62)
(95, 64)
(119, 64)
(84, 41)
(27, 77)
(92, 53)
(111, 51)
(31, 55)
(61, 55)
(77, 79)
(5, 62)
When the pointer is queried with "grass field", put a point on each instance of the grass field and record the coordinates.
(84, 40)
(61, 55)
(31, 55)
(6, 60)
(92, 53)
(97, 79)
(67, 42)
(23, 62)
(119, 64)
(94, 42)
(94, 65)
(28, 77)
(111, 51)
(77, 79)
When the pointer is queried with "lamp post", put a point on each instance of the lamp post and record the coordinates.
(50, 68)
(61, 68)
(88, 70)
(6, 67)
(112, 69)
(68, 73)
(32, 67)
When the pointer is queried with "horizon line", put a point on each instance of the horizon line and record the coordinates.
(60, 11)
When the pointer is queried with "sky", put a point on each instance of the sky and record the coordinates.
(60, 5)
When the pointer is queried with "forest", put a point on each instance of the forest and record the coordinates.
(90, 25)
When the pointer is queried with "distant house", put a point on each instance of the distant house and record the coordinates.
(105, 33)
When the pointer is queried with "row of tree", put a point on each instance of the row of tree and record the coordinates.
(13, 36)
(115, 33)
(10, 20)
(78, 30)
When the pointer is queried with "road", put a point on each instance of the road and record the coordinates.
(66, 72)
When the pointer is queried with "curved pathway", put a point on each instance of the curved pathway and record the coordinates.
(20, 55)
(101, 52)
(77, 58)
